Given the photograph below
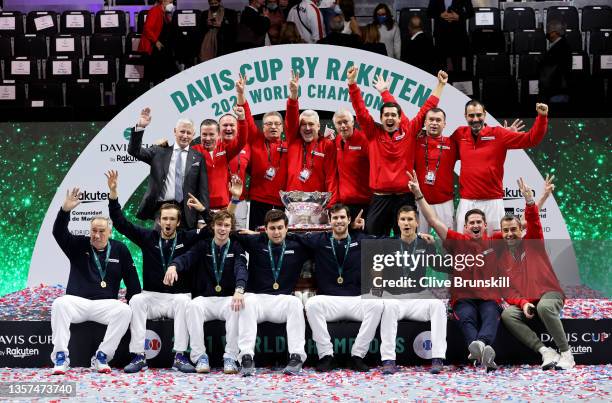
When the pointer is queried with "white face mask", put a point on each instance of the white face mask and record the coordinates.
(169, 8)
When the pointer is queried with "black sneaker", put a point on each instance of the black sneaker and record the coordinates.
(436, 366)
(326, 364)
(357, 364)
(247, 366)
(294, 366)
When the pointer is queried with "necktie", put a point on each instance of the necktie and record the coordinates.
(178, 176)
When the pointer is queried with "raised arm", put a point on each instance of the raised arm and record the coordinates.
(517, 140)
(251, 127)
(133, 232)
(234, 147)
(135, 148)
(235, 189)
(532, 214)
(292, 115)
(365, 120)
(64, 238)
(426, 210)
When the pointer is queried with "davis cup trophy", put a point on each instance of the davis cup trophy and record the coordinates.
(306, 210)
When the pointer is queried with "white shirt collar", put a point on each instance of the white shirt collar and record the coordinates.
(415, 35)
(177, 147)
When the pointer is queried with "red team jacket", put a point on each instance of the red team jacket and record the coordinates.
(217, 168)
(353, 167)
(482, 161)
(390, 155)
(428, 151)
(264, 154)
(318, 156)
(532, 275)
(156, 18)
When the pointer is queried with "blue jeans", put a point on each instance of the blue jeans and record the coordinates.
(478, 319)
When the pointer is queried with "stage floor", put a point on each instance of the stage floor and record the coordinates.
(514, 383)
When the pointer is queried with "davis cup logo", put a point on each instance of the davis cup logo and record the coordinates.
(422, 345)
(152, 344)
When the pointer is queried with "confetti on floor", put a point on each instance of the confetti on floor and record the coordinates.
(35, 303)
(514, 383)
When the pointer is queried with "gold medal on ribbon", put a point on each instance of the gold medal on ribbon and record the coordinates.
(340, 280)
(103, 284)
(218, 288)
(275, 286)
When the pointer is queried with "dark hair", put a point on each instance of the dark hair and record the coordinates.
(348, 8)
(210, 122)
(474, 102)
(436, 110)
(169, 206)
(223, 215)
(275, 215)
(511, 217)
(339, 207)
(391, 105)
(407, 208)
(289, 34)
(475, 211)
(390, 21)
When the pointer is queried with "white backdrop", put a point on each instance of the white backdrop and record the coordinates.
(206, 91)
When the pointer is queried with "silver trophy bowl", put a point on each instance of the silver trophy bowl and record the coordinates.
(305, 208)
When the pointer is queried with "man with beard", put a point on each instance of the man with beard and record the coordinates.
(157, 300)
(338, 264)
(535, 289)
(391, 150)
(352, 164)
(97, 266)
(219, 290)
(476, 308)
(268, 159)
(312, 157)
(483, 150)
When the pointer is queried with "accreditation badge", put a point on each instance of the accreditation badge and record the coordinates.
(305, 174)
(270, 173)
(430, 177)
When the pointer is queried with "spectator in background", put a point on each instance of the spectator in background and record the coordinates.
(418, 50)
(277, 19)
(155, 42)
(450, 29)
(254, 25)
(219, 31)
(286, 5)
(388, 29)
(308, 19)
(336, 37)
(371, 40)
(328, 9)
(347, 7)
(556, 65)
(289, 34)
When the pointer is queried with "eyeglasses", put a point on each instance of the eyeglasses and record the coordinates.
(269, 124)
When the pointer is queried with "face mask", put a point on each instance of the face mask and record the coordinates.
(169, 8)
(272, 6)
(381, 19)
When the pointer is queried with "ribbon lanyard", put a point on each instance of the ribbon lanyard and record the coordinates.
(218, 270)
(161, 252)
(427, 155)
(276, 269)
(101, 270)
(340, 279)
(305, 154)
(414, 245)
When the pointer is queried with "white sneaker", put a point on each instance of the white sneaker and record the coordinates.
(100, 363)
(476, 349)
(62, 363)
(566, 361)
(550, 358)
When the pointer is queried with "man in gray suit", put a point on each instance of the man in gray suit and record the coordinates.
(176, 171)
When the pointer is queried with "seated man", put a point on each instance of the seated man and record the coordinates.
(338, 264)
(275, 262)
(534, 287)
(97, 266)
(175, 171)
(476, 308)
(157, 300)
(220, 274)
(421, 306)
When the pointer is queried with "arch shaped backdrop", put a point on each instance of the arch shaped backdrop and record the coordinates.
(207, 90)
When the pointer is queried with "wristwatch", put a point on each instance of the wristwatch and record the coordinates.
(239, 290)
